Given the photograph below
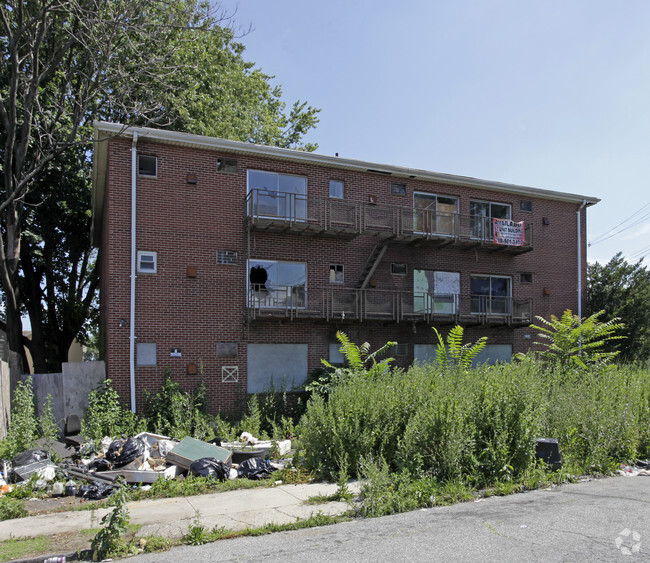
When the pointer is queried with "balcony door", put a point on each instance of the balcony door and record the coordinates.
(435, 292)
(434, 214)
(277, 196)
(491, 295)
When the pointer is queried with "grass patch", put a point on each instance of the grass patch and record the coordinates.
(20, 548)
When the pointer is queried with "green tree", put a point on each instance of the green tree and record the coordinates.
(621, 289)
(66, 63)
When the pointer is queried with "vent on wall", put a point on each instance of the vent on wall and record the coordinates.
(226, 257)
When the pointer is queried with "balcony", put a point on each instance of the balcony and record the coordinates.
(296, 213)
(340, 304)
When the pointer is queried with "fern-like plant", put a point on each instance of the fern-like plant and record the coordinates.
(358, 359)
(573, 341)
(455, 354)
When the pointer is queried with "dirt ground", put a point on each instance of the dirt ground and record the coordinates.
(55, 504)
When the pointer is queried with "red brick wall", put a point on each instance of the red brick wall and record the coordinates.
(187, 223)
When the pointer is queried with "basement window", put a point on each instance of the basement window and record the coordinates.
(147, 166)
(147, 262)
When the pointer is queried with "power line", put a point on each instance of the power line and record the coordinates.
(613, 232)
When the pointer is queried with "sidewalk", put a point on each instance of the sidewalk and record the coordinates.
(234, 510)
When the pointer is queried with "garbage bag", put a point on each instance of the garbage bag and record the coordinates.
(29, 456)
(255, 468)
(94, 491)
(210, 467)
(100, 464)
(120, 452)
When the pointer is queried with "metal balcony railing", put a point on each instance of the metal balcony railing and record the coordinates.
(281, 211)
(348, 304)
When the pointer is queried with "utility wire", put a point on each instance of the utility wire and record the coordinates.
(612, 232)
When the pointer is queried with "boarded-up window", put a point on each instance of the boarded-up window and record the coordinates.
(283, 365)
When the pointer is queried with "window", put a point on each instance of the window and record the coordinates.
(398, 350)
(525, 277)
(284, 366)
(435, 292)
(335, 354)
(145, 353)
(277, 285)
(336, 189)
(481, 215)
(398, 189)
(227, 165)
(490, 295)
(336, 273)
(227, 257)
(398, 269)
(273, 195)
(434, 214)
(147, 166)
(147, 262)
(526, 205)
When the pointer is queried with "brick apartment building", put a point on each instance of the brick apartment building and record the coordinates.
(240, 262)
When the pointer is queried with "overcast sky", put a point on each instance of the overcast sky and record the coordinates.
(549, 94)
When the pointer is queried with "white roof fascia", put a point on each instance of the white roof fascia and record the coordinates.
(213, 143)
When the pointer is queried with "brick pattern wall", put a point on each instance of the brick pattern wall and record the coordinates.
(186, 223)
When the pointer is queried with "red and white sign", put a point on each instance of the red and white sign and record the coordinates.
(508, 232)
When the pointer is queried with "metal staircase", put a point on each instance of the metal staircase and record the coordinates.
(373, 261)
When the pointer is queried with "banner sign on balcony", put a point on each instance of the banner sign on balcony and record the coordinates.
(508, 232)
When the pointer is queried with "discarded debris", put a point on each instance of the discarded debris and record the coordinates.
(210, 467)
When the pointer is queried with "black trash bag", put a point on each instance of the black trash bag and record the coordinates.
(120, 452)
(255, 468)
(210, 467)
(30, 456)
(94, 491)
(100, 464)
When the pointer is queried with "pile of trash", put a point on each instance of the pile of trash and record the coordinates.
(92, 471)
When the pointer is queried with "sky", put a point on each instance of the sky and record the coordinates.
(549, 94)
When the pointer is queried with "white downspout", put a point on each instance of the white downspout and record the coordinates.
(134, 178)
(584, 202)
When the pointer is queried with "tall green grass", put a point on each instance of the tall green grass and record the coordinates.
(478, 426)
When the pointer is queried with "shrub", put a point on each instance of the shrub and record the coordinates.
(178, 413)
(105, 415)
(23, 428)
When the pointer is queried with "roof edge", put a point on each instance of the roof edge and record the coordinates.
(215, 143)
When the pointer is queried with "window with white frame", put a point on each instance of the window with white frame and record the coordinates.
(273, 284)
(147, 262)
(147, 165)
(491, 295)
(277, 196)
(336, 273)
(336, 189)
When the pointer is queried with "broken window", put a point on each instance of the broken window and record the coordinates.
(336, 273)
(274, 284)
(435, 292)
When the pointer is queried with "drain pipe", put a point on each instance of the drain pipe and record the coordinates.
(134, 178)
(584, 202)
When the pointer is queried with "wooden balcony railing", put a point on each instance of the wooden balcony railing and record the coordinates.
(348, 304)
(287, 212)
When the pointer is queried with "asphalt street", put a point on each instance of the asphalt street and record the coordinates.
(598, 520)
